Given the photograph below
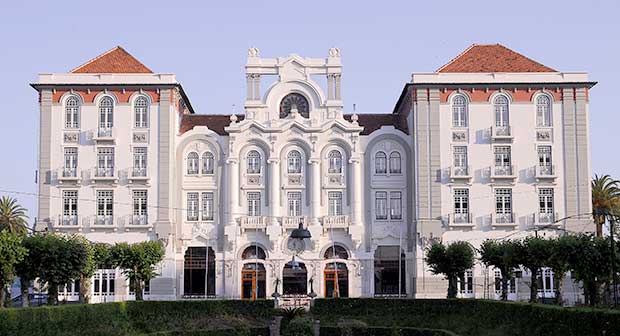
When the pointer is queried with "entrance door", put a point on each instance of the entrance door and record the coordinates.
(295, 279)
(336, 280)
(253, 284)
(198, 271)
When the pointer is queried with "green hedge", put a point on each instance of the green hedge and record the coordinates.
(264, 331)
(382, 331)
(471, 317)
(131, 318)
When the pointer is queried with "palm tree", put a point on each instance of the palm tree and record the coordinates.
(605, 199)
(12, 216)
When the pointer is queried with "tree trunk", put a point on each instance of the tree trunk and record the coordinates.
(558, 278)
(138, 289)
(85, 285)
(534, 285)
(52, 294)
(24, 284)
(2, 295)
(594, 297)
(504, 287)
(452, 291)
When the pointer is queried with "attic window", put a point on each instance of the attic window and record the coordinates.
(294, 101)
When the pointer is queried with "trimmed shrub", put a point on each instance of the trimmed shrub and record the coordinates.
(383, 331)
(299, 326)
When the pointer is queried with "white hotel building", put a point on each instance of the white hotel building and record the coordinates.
(491, 145)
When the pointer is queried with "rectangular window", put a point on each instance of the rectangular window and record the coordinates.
(381, 205)
(207, 206)
(139, 161)
(502, 156)
(294, 204)
(460, 156)
(545, 165)
(103, 283)
(503, 205)
(334, 203)
(105, 206)
(71, 157)
(69, 214)
(466, 282)
(105, 162)
(545, 205)
(396, 205)
(512, 284)
(461, 205)
(254, 204)
(192, 206)
(140, 207)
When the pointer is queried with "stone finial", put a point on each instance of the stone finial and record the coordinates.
(253, 52)
(233, 118)
(334, 52)
(355, 118)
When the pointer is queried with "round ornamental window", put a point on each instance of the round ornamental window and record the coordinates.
(297, 101)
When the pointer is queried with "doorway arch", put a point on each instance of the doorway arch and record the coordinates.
(336, 273)
(295, 279)
(253, 274)
(198, 271)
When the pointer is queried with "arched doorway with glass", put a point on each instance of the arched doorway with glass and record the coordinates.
(390, 272)
(336, 273)
(295, 279)
(253, 274)
(198, 272)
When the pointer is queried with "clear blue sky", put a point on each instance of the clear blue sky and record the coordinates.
(381, 42)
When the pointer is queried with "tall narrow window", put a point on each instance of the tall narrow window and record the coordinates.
(545, 165)
(71, 161)
(69, 200)
(396, 205)
(466, 282)
(380, 163)
(460, 159)
(461, 206)
(105, 199)
(294, 204)
(381, 205)
(140, 207)
(543, 111)
(139, 161)
(459, 111)
(503, 160)
(254, 162)
(503, 206)
(334, 203)
(141, 111)
(500, 105)
(254, 208)
(106, 115)
(192, 206)
(72, 113)
(335, 162)
(395, 163)
(192, 163)
(545, 206)
(105, 162)
(207, 163)
(294, 162)
(207, 206)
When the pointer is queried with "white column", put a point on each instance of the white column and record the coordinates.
(356, 191)
(274, 189)
(233, 190)
(315, 191)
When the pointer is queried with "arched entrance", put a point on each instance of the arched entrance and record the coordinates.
(253, 274)
(389, 264)
(198, 271)
(295, 279)
(336, 273)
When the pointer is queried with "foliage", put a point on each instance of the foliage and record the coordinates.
(137, 262)
(11, 253)
(98, 257)
(502, 255)
(299, 326)
(12, 216)
(560, 251)
(452, 261)
(533, 253)
(605, 200)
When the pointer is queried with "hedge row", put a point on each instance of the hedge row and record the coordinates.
(471, 317)
(382, 331)
(263, 331)
(130, 318)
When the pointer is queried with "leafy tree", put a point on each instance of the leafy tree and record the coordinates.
(137, 262)
(605, 200)
(12, 216)
(452, 261)
(533, 253)
(30, 267)
(502, 255)
(560, 251)
(11, 253)
(98, 256)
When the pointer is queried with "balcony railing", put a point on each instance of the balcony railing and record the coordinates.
(138, 172)
(103, 174)
(503, 172)
(104, 220)
(545, 172)
(501, 132)
(292, 222)
(460, 219)
(139, 220)
(68, 174)
(504, 219)
(253, 222)
(547, 218)
(335, 222)
(460, 172)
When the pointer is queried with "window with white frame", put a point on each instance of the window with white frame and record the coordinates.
(105, 162)
(72, 112)
(334, 158)
(461, 205)
(545, 282)
(207, 163)
(395, 167)
(70, 207)
(334, 203)
(71, 161)
(140, 207)
(396, 205)
(106, 113)
(465, 284)
(502, 156)
(294, 162)
(207, 206)
(104, 282)
(543, 111)
(254, 162)
(381, 205)
(380, 163)
(460, 159)
(192, 206)
(545, 205)
(141, 112)
(545, 164)
(500, 106)
(139, 161)
(192, 163)
(254, 208)
(294, 204)
(503, 205)
(105, 207)
(459, 111)
(512, 283)
(70, 289)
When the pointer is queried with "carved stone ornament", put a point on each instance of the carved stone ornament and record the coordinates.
(228, 265)
(460, 136)
(140, 137)
(334, 52)
(294, 179)
(253, 180)
(543, 135)
(201, 230)
(253, 52)
(335, 179)
(71, 137)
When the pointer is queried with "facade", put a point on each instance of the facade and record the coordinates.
(491, 145)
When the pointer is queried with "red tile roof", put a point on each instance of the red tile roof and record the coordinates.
(492, 58)
(215, 122)
(373, 122)
(115, 60)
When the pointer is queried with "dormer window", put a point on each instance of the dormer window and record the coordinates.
(335, 162)
(254, 162)
(294, 162)
(292, 102)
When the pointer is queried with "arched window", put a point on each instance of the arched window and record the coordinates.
(253, 252)
(141, 112)
(335, 162)
(72, 112)
(254, 163)
(192, 163)
(395, 163)
(297, 101)
(294, 162)
(500, 106)
(459, 111)
(106, 112)
(207, 163)
(543, 111)
(340, 253)
(380, 163)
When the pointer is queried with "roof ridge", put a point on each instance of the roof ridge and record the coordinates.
(99, 57)
(455, 58)
(96, 58)
(529, 59)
